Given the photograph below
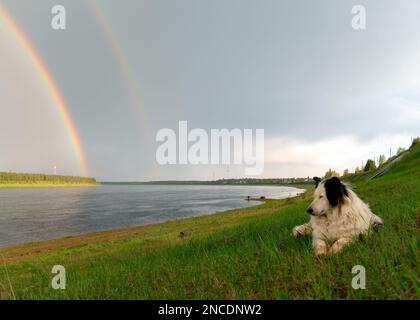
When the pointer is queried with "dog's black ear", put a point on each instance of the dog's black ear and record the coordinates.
(335, 190)
(317, 181)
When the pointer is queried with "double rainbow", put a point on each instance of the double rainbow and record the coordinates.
(50, 86)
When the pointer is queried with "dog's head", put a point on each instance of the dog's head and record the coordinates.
(329, 193)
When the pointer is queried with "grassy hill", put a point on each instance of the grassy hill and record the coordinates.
(240, 254)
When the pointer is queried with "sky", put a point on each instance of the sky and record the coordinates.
(326, 95)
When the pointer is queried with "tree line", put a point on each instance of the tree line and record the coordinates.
(13, 177)
(237, 181)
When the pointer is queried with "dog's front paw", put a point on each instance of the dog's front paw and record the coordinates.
(302, 230)
(296, 232)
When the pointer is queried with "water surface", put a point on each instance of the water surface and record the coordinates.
(30, 214)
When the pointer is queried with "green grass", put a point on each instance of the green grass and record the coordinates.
(240, 254)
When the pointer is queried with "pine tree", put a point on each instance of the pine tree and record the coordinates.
(370, 165)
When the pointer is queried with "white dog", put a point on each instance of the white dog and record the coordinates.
(338, 215)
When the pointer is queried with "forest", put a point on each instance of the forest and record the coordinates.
(31, 178)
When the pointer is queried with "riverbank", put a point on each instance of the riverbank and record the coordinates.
(152, 234)
(36, 214)
(239, 254)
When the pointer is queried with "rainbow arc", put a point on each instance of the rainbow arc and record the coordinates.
(50, 86)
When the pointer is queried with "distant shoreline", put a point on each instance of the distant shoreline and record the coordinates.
(42, 180)
(72, 185)
(46, 185)
(299, 185)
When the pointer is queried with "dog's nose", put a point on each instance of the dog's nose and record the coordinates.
(310, 210)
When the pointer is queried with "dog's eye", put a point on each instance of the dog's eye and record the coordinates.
(321, 197)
